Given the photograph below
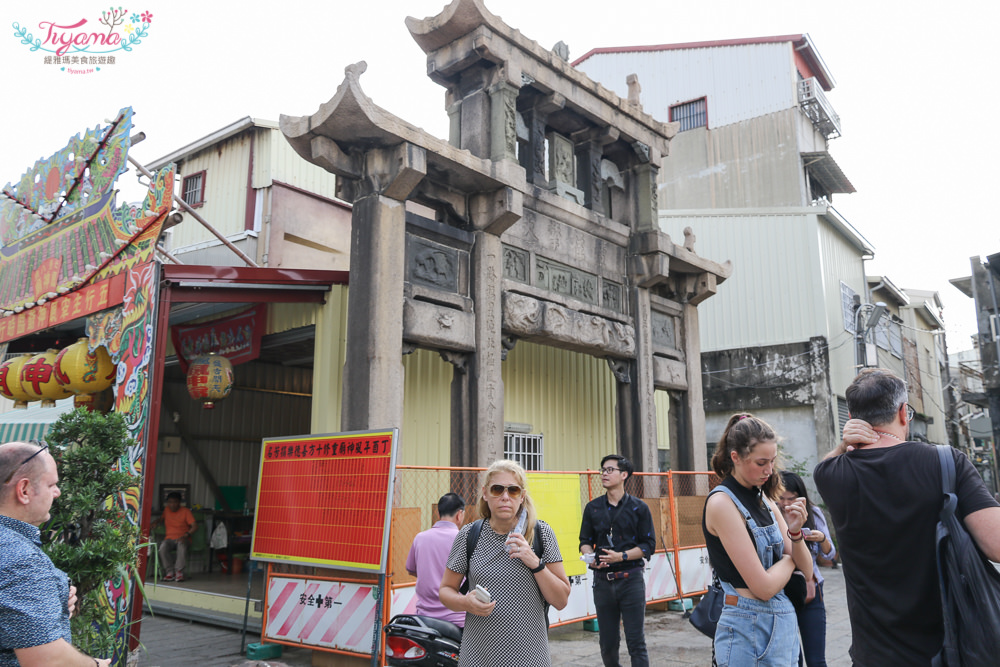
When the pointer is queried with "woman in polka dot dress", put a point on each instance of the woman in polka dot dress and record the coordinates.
(509, 630)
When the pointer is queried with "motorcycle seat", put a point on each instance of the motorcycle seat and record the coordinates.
(444, 628)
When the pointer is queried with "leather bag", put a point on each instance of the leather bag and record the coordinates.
(706, 615)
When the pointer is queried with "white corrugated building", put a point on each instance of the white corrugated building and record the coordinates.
(750, 173)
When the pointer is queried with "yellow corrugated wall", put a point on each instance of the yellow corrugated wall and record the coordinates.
(567, 397)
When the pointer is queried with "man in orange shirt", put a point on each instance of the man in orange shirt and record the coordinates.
(180, 525)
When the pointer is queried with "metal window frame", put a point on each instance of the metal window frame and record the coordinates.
(528, 449)
(199, 177)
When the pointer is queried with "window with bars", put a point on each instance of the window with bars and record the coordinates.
(194, 189)
(896, 340)
(525, 448)
(848, 307)
(690, 114)
(842, 414)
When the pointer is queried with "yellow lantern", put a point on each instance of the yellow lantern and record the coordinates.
(84, 372)
(10, 381)
(38, 379)
(100, 402)
(210, 379)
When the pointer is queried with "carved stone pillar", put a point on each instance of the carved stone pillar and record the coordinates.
(503, 122)
(636, 410)
(647, 212)
(486, 392)
(373, 373)
(588, 176)
(533, 160)
(694, 442)
(462, 450)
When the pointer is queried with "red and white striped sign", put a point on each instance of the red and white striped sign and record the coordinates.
(328, 614)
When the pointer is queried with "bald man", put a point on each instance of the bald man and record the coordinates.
(36, 598)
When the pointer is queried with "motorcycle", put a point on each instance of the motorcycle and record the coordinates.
(421, 641)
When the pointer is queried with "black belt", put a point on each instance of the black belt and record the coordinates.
(619, 574)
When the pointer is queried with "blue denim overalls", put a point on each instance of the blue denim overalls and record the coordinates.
(754, 632)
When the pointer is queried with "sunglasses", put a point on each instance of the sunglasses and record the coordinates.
(513, 491)
(21, 464)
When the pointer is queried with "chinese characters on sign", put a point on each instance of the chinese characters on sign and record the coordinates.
(323, 500)
(86, 301)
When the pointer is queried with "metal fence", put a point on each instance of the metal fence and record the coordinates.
(678, 569)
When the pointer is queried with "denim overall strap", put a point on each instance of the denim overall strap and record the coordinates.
(757, 633)
(767, 539)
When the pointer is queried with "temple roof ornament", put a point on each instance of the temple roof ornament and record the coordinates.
(337, 135)
(466, 30)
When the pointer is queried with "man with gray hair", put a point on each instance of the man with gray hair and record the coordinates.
(36, 598)
(884, 495)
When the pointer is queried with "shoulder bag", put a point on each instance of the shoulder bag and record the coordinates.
(706, 615)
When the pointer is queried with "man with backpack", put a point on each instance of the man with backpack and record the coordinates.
(617, 532)
(884, 495)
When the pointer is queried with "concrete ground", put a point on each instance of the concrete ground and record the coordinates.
(672, 641)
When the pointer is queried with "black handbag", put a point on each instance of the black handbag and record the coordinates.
(706, 615)
(796, 589)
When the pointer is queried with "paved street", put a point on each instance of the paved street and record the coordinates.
(672, 640)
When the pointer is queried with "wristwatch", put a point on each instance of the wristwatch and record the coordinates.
(541, 566)
(624, 556)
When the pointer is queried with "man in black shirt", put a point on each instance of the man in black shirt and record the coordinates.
(884, 496)
(617, 531)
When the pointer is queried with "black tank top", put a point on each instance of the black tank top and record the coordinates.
(717, 555)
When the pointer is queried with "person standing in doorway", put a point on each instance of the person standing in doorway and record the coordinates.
(615, 537)
(180, 526)
(429, 554)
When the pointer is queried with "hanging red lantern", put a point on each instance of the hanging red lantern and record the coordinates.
(38, 379)
(10, 381)
(84, 372)
(210, 379)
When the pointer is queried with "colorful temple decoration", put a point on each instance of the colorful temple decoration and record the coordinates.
(67, 253)
(68, 182)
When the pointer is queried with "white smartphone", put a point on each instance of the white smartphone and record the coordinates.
(483, 594)
(519, 528)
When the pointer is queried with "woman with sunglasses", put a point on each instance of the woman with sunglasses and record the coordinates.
(754, 549)
(510, 629)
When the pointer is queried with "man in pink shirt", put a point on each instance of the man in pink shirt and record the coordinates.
(429, 554)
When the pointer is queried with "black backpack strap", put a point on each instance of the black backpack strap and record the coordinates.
(950, 499)
(471, 539)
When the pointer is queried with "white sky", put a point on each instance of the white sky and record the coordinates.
(916, 93)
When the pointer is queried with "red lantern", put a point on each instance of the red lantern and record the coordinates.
(84, 372)
(10, 381)
(38, 379)
(210, 379)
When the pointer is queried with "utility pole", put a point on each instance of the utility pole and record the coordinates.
(866, 318)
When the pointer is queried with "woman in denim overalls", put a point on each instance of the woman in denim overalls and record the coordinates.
(752, 549)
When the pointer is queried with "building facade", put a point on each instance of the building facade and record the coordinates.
(752, 179)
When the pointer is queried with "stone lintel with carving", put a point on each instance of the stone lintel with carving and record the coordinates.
(544, 321)
(354, 124)
(438, 327)
(656, 258)
(669, 374)
(494, 212)
(465, 30)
